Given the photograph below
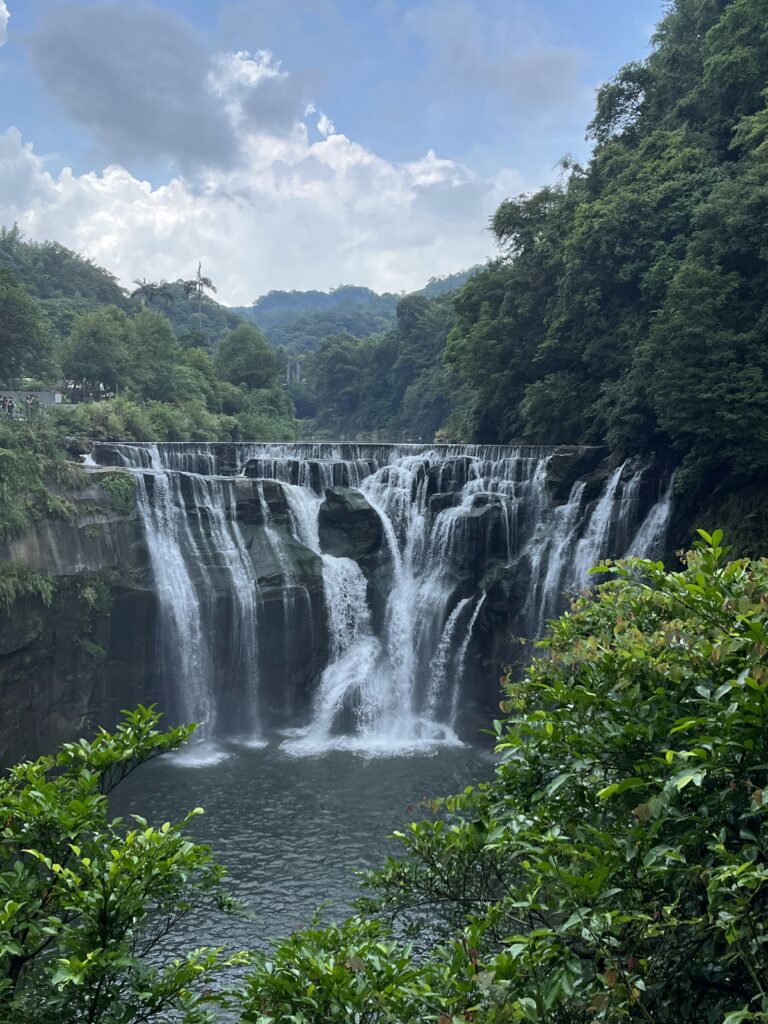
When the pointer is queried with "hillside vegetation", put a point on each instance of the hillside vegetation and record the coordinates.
(628, 303)
(165, 362)
(301, 320)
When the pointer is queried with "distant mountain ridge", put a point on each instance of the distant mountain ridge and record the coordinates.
(299, 320)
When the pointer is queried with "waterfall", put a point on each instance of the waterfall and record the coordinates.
(181, 633)
(190, 616)
(650, 538)
(462, 655)
(551, 549)
(594, 544)
(439, 664)
(216, 496)
(236, 545)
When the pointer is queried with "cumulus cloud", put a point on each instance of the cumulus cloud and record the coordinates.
(255, 91)
(135, 77)
(295, 213)
(5, 15)
(325, 125)
(145, 84)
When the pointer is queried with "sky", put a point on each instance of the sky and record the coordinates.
(294, 143)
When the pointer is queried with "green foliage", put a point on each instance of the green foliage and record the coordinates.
(153, 351)
(615, 869)
(349, 972)
(96, 355)
(264, 416)
(48, 270)
(24, 342)
(629, 305)
(35, 477)
(245, 357)
(121, 487)
(86, 902)
(61, 283)
(299, 321)
(394, 383)
(196, 318)
(18, 582)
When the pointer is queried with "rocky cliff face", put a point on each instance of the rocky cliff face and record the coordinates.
(79, 659)
(70, 665)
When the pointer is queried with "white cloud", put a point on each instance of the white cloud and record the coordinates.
(291, 214)
(325, 125)
(5, 16)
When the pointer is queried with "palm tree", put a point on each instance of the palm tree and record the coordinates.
(144, 290)
(197, 286)
(148, 292)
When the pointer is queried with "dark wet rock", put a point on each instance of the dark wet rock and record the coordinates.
(73, 664)
(506, 591)
(477, 536)
(349, 526)
(571, 463)
(450, 476)
(76, 447)
(440, 502)
(259, 502)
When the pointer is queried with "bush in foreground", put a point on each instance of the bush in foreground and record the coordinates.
(616, 867)
(86, 902)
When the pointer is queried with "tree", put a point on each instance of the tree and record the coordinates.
(246, 357)
(197, 287)
(86, 902)
(96, 355)
(154, 360)
(24, 343)
(148, 292)
(337, 369)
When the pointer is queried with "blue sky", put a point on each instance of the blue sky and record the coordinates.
(294, 143)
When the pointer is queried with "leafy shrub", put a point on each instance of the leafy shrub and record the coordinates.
(616, 868)
(35, 476)
(121, 487)
(85, 901)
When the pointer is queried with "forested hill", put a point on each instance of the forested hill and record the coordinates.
(629, 303)
(65, 284)
(299, 320)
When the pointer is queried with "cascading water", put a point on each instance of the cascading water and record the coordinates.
(650, 538)
(246, 580)
(190, 616)
(181, 634)
(594, 544)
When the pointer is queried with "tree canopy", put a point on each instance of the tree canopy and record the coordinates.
(25, 347)
(245, 357)
(87, 901)
(629, 303)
